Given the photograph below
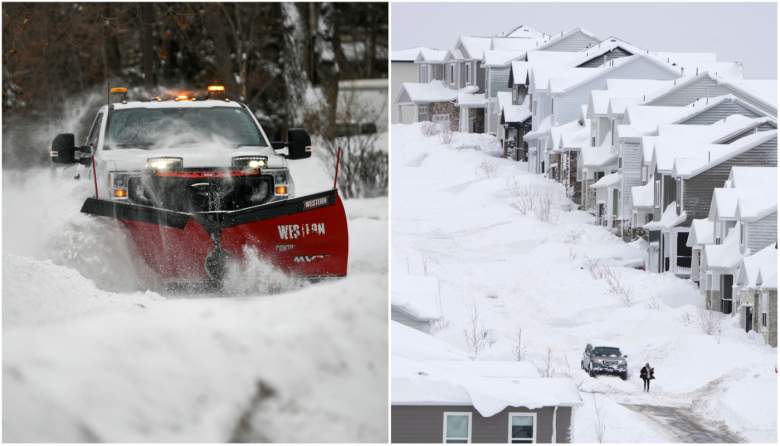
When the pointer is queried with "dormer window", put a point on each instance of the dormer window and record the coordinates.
(452, 73)
(468, 73)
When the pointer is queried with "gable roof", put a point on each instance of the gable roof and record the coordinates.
(715, 154)
(425, 93)
(755, 269)
(761, 94)
(702, 233)
(430, 55)
(562, 85)
(407, 55)
(725, 256)
(567, 34)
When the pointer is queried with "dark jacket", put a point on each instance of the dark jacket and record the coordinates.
(647, 373)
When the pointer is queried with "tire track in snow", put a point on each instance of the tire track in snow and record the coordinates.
(686, 427)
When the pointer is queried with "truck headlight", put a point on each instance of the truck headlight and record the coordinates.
(119, 183)
(164, 163)
(249, 162)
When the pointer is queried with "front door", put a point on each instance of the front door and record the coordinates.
(748, 319)
(726, 292)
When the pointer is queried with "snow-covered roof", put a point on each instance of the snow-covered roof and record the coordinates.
(669, 219)
(517, 44)
(714, 154)
(757, 204)
(475, 46)
(414, 344)
(619, 105)
(599, 156)
(563, 35)
(702, 233)
(610, 180)
(724, 203)
(526, 31)
(636, 87)
(407, 55)
(642, 196)
(430, 55)
(755, 269)
(572, 134)
(645, 119)
(541, 130)
(417, 296)
(755, 178)
(468, 98)
(760, 92)
(488, 387)
(425, 93)
(513, 112)
(561, 87)
(520, 72)
(501, 58)
(726, 255)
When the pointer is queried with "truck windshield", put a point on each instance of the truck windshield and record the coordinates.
(153, 128)
(606, 351)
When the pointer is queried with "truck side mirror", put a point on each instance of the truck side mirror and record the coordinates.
(299, 144)
(63, 149)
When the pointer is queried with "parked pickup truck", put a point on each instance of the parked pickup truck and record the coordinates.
(604, 359)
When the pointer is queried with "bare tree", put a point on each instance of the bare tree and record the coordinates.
(475, 333)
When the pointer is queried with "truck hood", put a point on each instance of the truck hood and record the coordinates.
(192, 156)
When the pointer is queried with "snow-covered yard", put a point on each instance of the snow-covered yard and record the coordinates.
(93, 350)
(506, 243)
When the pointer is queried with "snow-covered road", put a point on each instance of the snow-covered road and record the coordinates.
(93, 350)
(507, 241)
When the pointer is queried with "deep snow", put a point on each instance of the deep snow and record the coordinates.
(458, 216)
(95, 350)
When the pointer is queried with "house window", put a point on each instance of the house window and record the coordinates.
(522, 427)
(457, 427)
(657, 198)
(763, 320)
(468, 73)
(423, 73)
(644, 174)
(742, 235)
(452, 73)
(593, 141)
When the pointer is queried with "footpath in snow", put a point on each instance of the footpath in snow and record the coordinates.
(90, 353)
(541, 280)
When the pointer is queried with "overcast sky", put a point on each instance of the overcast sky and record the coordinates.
(743, 32)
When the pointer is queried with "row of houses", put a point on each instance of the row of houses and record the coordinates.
(670, 147)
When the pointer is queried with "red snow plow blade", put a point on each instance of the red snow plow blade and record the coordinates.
(304, 236)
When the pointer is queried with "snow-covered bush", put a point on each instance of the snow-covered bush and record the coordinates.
(445, 134)
(428, 129)
(710, 321)
(486, 169)
(616, 285)
(540, 199)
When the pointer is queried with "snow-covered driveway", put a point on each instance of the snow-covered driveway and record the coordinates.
(90, 355)
(545, 281)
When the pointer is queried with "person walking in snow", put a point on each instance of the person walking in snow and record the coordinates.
(647, 373)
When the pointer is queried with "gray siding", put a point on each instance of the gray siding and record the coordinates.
(761, 128)
(697, 190)
(632, 174)
(598, 61)
(761, 233)
(499, 80)
(425, 424)
(720, 111)
(669, 187)
(702, 88)
(575, 42)
(480, 78)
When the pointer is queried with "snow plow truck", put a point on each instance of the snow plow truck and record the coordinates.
(196, 181)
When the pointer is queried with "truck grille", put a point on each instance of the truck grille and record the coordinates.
(201, 190)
